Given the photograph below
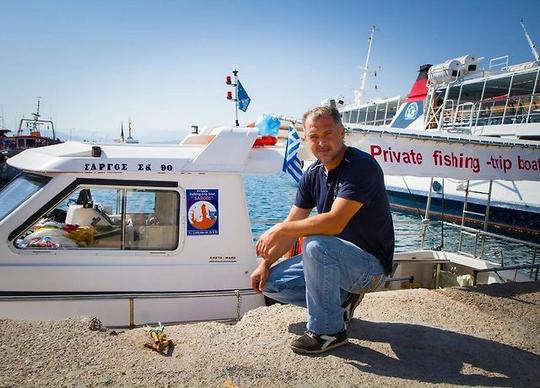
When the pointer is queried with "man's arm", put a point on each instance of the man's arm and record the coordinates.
(272, 248)
(331, 223)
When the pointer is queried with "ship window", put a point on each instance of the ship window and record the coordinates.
(392, 108)
(18, 191)
(346, 116)
(520, 101)
(116, 218)
(523, 84)
(471, 92)
(492, 108)
(453, 94)
(497, 88)
(362, 115)
(371, 114)
(381, 109)
(354, 116)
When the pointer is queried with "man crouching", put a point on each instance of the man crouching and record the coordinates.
(348, 246)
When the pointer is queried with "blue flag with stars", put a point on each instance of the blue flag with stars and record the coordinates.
(243, 98)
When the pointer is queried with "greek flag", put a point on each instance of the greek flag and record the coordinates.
(243, 98)
(291, 162)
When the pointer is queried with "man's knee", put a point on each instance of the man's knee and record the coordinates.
(315, 247)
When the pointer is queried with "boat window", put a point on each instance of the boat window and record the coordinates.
(19, 190)
(381, 109)
(354, 116)
(523, 84)
(371, 114)
(362, 115)
(534, 109)
(493, 105)
(392, 109)
(471, 92)
(346, 116)
(117, 218)
(453, 93)
(497, 88)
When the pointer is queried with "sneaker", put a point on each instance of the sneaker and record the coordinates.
(353, 300)
(350, 304)
(312, 343)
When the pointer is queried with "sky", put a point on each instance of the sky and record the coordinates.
(163, 64)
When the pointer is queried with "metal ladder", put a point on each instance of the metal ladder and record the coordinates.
(466, 212)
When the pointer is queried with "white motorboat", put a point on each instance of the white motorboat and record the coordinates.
(132, 233)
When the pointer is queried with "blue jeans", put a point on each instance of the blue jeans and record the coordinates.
(321, 278)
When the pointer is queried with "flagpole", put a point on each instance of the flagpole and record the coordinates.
(235, 73)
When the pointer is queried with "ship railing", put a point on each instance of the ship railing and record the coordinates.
(463, 117)
(432, 118)
(518, 109)
(499, 63)
(448, 113)
(496, 245)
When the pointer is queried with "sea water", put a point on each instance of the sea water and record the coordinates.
(270, 198)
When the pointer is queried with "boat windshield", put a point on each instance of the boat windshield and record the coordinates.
(19, 190)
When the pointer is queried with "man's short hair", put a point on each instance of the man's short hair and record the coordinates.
(321, 111)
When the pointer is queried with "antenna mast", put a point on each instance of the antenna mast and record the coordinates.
(360, 93)
(531, 43)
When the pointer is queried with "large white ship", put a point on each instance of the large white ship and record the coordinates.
(459, 96)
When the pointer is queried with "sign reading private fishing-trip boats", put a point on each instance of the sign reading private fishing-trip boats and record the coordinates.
(452, 156)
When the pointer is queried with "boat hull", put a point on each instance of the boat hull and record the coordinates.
(504, 219)
(131, 309)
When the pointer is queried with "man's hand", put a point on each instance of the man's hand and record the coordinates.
(267, 242)
(273, 244)
(259, 276)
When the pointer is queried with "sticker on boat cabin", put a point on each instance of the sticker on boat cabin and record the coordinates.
(202, 212)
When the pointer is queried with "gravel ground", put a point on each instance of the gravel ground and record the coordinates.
(488, 336)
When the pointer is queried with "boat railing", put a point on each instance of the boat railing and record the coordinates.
(518, 109)
(448, 113)
(499, 63)
(463, 116)
(477, 247)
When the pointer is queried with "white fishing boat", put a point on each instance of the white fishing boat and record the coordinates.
(458, 96)
(132, 233)
(137, 234)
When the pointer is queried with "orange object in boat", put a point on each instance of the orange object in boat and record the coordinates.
(296, 249)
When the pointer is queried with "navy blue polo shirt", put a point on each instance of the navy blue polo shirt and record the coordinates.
(359, 178)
